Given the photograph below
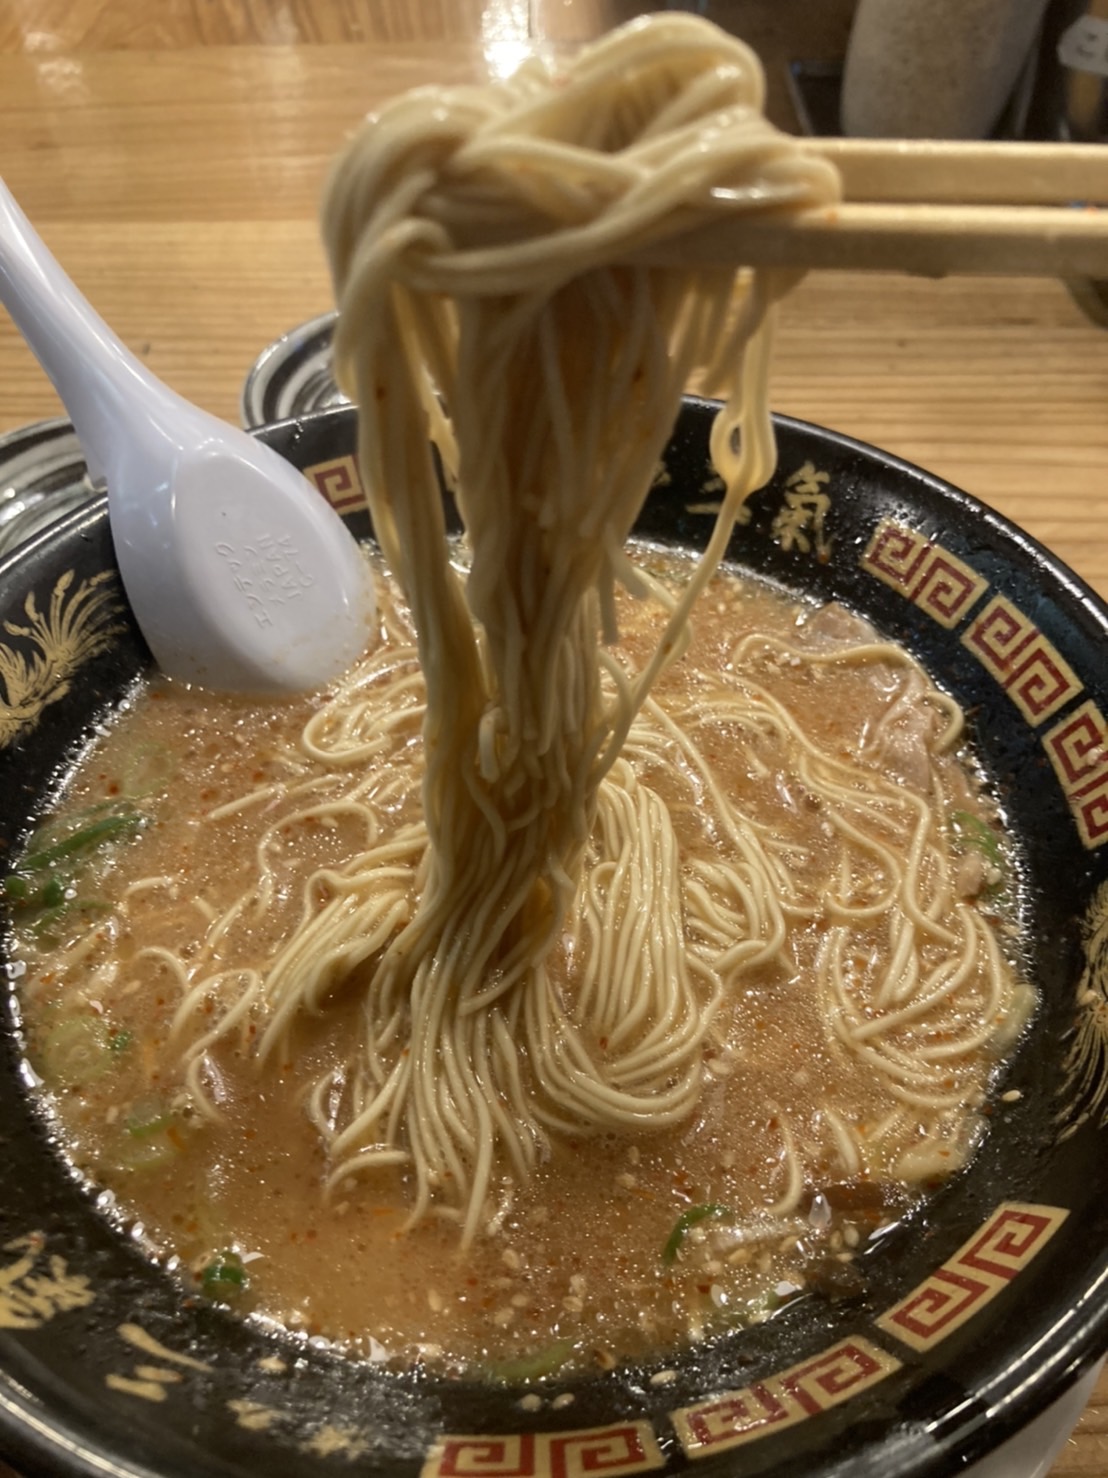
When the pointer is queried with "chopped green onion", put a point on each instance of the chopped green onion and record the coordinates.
(42, 882)
(120, 1040)
(16, 889)
(54, 828)
(971, 831)
(84, 839)
(44, 925)
(138, 1153)
(766, 1302)
(688, 1219)
(151, 1138)
(535, 1366)
(53, 893)
(224, 1277)
(147, 1118)
(75, 1051)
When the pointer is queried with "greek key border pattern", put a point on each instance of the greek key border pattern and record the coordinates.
(816, 1385)
(984, 1266)
(1013, 650)
(340, 482)
(1077, 748)
(923, 571)
(616, 1450)
(1030, 669)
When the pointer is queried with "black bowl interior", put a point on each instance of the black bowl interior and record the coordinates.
(977, 1314)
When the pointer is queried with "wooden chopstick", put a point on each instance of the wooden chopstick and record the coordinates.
(925, 240)
(931, 208)
(940, 171)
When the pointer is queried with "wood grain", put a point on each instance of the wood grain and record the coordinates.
(66, 26)
(172, 156)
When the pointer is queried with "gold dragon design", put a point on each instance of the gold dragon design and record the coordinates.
(80, 622)
(1085, 1069)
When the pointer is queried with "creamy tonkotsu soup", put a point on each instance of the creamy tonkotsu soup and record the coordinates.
(851, 1024)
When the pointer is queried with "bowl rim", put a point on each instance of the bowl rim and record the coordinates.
(52, 1447)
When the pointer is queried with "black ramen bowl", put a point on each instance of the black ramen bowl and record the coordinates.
(978, 1313)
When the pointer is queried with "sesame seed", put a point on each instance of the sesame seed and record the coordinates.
(663, 1377)
(511, 1259)
(626, 1182)
(572, 1304)
(530, 1402)
(559, 1402)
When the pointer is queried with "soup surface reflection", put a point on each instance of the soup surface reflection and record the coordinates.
(841, 1078)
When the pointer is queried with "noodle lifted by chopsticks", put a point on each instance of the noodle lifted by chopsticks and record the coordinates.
(482, 244)
(477, 239)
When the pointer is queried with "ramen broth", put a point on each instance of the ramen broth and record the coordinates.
(617, 1246)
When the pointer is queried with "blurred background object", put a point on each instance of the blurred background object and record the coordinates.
(944, 69)
(784, 33)
(1071, 93)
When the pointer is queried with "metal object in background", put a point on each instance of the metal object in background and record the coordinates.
(42, 476)
(292, 375)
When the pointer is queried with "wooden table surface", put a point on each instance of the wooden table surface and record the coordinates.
(172, 154)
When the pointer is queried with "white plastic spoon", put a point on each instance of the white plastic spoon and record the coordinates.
(240, 575)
